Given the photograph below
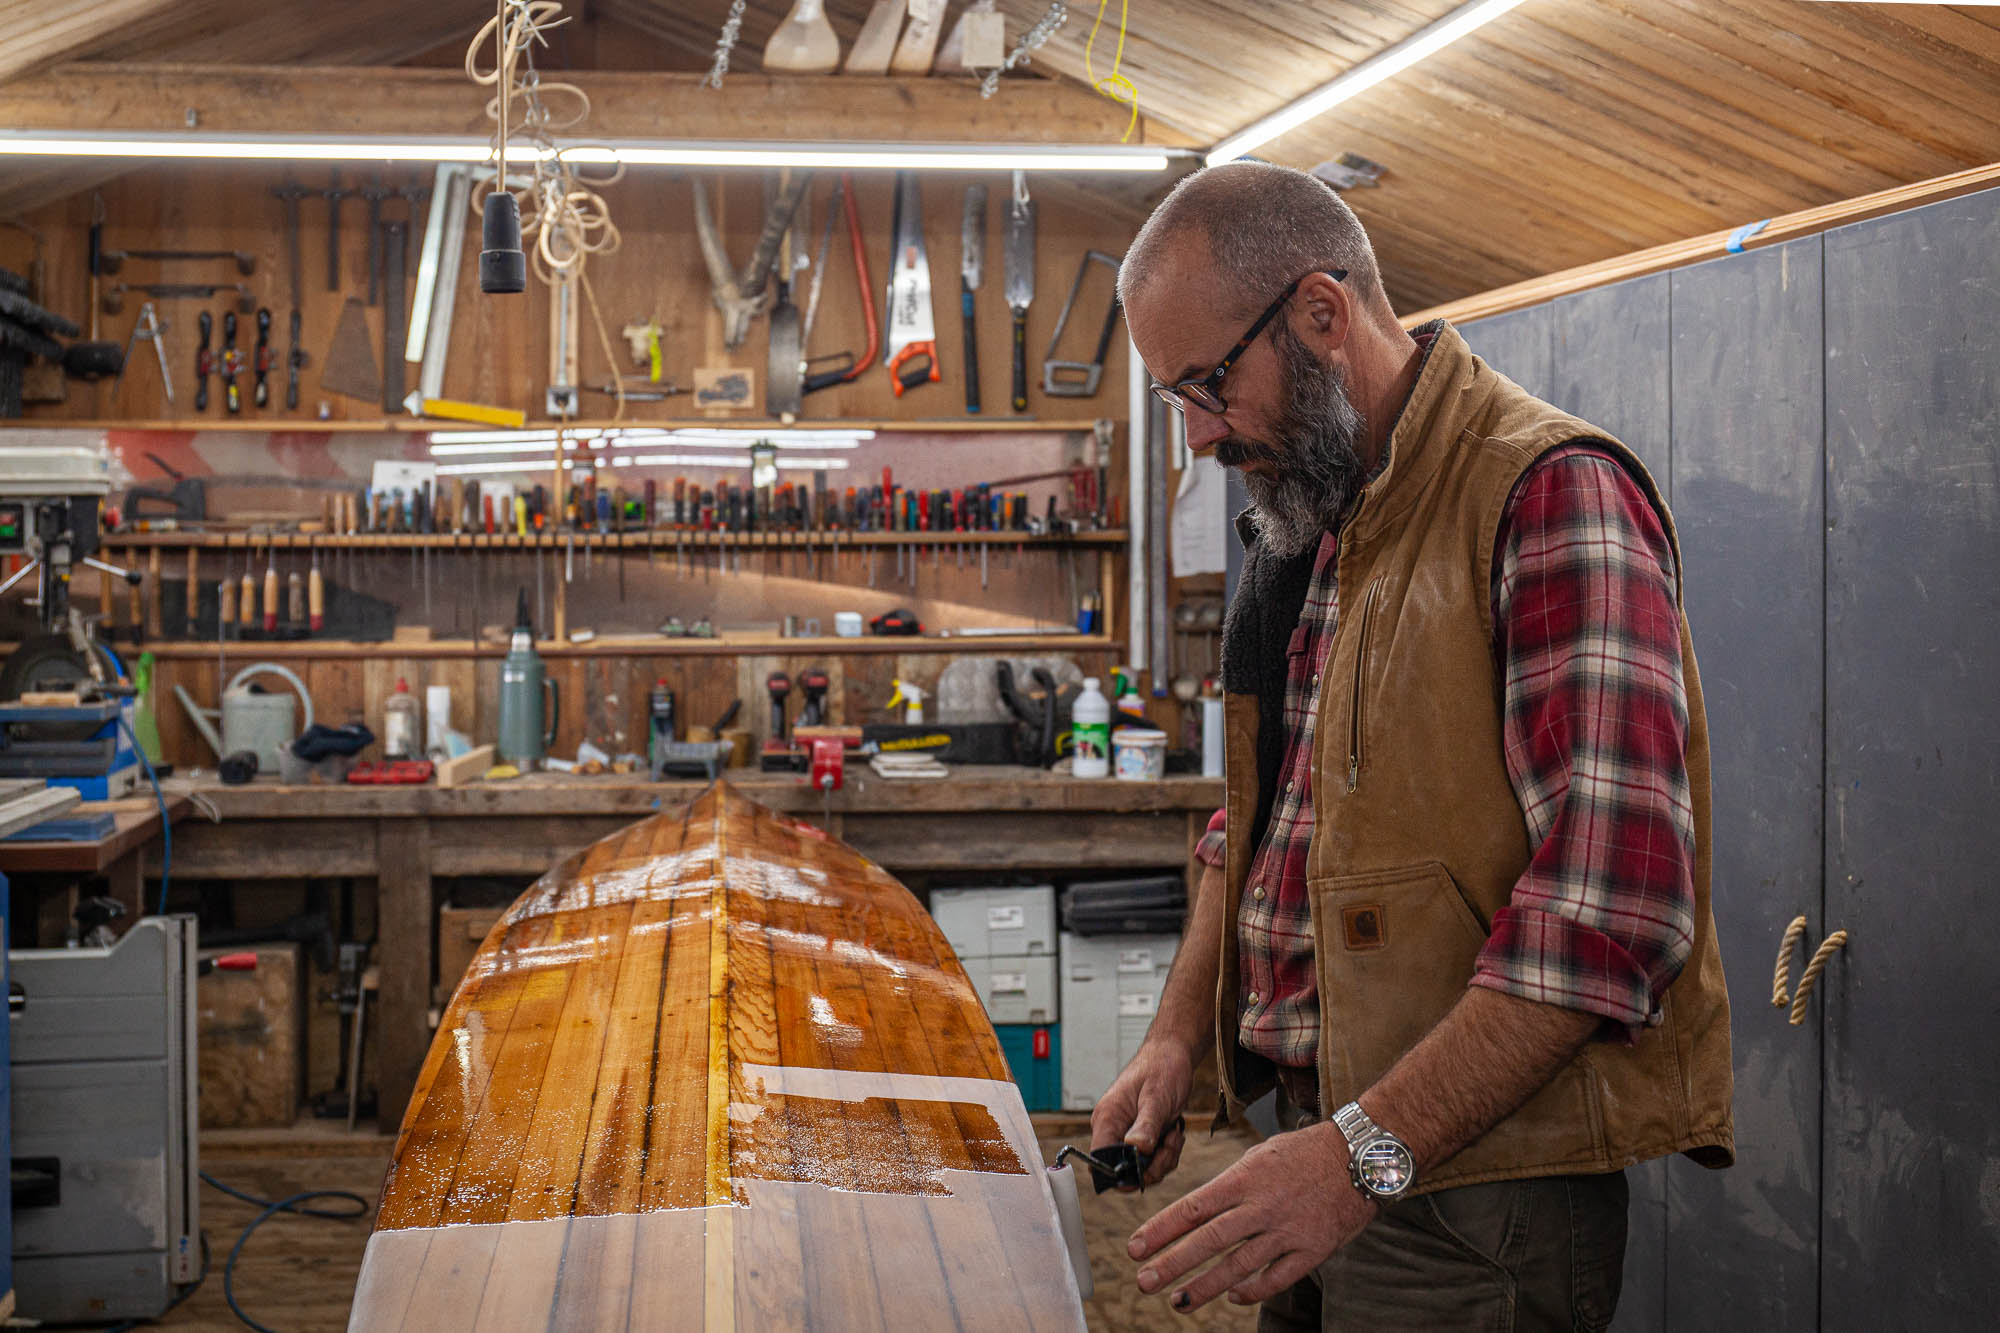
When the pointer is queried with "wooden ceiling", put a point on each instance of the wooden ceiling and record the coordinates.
(1566, 131)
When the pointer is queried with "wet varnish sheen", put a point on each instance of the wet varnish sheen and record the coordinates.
(716, 1071)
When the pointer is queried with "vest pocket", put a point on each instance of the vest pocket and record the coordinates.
(1354, 731)
(1393, 952)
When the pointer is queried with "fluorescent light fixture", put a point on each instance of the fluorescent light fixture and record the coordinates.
(668, 153)
(475, 443)
(715, 461)
(1382, 65)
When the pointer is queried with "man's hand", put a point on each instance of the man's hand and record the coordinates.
(1273, 1217)
(1148, 1096)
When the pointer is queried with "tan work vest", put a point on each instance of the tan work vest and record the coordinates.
(1418, 837)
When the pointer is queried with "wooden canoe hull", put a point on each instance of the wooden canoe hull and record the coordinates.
(716, 1071)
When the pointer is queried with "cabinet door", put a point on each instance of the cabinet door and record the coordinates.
(1911, 1205)
(1748, 436)
(1609, 364)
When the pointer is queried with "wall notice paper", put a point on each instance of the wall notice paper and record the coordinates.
(1200, 519)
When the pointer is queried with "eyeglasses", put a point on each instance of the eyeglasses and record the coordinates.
(1206, 392)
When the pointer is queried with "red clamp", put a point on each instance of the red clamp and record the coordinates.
(829, 763)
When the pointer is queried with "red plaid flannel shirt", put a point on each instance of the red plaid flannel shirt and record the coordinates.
(1587, 638)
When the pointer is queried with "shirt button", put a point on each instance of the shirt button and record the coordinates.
(1290, 785)
(1258, 893)
(1315, 677)
(1253, 997)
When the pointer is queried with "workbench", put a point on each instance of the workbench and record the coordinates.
(124, 857)
(405, 838)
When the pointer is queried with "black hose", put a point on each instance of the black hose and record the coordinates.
(290, 1204)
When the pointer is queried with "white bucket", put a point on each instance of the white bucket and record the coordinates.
(1138, 754)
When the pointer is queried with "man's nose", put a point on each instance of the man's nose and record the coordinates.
(1205, 430)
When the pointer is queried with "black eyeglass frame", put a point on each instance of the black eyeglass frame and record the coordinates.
(1206, 392)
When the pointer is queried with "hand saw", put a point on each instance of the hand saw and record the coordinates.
(852, 367)
(911, 331)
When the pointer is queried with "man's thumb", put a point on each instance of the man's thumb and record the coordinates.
(1145, 1132)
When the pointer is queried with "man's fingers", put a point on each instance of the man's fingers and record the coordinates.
(1262, 1286)
(1111, 1118)
(1191, 1210)
(1167, 1156)
(1240, 1265)
(1205, 1242)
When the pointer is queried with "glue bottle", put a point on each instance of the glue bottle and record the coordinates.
(1090, 732)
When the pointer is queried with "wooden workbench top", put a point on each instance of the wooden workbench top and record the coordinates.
(138, 821)
(968, 788)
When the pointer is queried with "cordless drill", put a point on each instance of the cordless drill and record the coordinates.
(813, 684)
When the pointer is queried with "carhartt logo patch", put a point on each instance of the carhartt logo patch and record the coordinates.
(1363, 924)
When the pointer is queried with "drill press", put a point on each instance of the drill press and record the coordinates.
(62, 692)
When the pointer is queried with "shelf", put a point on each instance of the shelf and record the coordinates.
(663, 539)
(308, 426)
(638, 645)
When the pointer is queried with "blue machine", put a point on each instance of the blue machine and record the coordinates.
(100, 764)
(1034, 1058)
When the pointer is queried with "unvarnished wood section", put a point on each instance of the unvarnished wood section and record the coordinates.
(1564, 132)
(716, 1071)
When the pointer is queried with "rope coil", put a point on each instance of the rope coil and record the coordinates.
(1781, 978)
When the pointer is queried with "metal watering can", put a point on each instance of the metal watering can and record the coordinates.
(263, 723)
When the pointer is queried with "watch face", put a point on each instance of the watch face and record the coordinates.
(1384, 1167)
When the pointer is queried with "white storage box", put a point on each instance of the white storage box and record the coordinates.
(1015, 990)
(1110, 991)
(1015, 922)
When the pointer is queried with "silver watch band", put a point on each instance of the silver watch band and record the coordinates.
(1355, 1124)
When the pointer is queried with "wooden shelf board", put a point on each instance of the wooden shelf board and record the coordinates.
(308, 426)
(639, 645)
(664, 540)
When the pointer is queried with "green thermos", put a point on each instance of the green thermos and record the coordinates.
(524, 740)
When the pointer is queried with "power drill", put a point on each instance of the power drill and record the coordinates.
(777, 754)
(813, 684)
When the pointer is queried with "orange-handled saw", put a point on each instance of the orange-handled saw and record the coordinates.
(911, 331)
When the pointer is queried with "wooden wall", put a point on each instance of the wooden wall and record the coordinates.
(500, 344)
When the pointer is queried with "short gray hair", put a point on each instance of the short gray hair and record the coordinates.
(1265, 225)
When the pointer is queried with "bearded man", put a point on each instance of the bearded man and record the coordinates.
(1456, 909)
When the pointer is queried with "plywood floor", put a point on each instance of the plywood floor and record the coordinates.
(298, 1274)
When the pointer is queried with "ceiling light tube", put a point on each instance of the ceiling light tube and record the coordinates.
(690, 153)
(1382, 65)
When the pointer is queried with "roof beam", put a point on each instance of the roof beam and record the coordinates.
(61, 30)
(378, 102)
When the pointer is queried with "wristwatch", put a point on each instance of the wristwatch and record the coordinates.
(1381, 1164)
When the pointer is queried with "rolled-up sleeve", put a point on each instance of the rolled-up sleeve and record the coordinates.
(1212, 847)
(1596, 728)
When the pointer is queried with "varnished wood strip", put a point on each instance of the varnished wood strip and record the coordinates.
(1806, 222)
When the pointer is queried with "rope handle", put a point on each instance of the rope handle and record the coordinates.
(1781, 979)
(1828, 947)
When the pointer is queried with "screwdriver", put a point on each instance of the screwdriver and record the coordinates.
(270, 590)
(316, 595)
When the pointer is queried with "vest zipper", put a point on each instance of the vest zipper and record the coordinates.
(1360, 665)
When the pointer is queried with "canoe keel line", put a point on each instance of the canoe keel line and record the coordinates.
(716, 1071)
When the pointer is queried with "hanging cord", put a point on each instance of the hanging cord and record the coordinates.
(564, 217)
(1114, 85)
(290, 1204)
(166, 823)
(1033, 40)
(1781, 979)
(724, 44)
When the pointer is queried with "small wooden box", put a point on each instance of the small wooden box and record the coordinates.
(251, 1033)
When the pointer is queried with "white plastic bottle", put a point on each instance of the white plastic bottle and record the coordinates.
(399, 724)
(1090, 732)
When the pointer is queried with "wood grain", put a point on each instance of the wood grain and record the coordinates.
(716, 1052)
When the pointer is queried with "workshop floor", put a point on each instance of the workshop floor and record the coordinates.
(297, 1274)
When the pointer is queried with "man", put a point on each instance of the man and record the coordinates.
(1457, 910)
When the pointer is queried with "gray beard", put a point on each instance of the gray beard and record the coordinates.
(1318, 435)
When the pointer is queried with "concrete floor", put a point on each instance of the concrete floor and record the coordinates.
(297, 1274)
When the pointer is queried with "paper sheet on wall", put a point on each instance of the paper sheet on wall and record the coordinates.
(1200, 520)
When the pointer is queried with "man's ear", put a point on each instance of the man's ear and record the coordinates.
(1328, 309)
